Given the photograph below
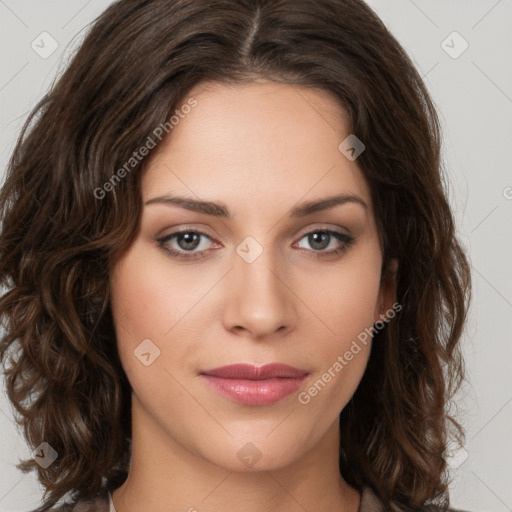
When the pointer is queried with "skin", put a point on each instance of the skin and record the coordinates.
(260, 149)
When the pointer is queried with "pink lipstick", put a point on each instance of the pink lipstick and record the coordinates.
(251, 385)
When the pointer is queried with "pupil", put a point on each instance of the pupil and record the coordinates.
(319, 235)
(191, 240)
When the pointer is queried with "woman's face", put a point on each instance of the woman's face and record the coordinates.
(258, 279)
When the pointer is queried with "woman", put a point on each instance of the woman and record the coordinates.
(231, 269)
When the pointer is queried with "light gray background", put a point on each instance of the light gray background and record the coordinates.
(473, 93)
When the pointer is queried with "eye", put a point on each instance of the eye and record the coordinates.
(187, 243)
(320, 239)
(187, 240)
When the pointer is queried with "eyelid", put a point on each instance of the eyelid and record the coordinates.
(323, 226)
(184, 228)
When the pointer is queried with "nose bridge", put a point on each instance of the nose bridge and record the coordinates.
(259, 301)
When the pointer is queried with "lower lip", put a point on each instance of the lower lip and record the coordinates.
(255, 392)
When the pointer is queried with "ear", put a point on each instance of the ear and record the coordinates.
(387, 292)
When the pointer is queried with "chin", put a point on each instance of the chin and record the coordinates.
(252, 456)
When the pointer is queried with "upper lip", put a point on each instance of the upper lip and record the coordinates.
(251, 372)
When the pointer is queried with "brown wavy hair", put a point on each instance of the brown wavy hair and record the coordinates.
(59, 242)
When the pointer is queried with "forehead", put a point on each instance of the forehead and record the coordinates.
(255, 144)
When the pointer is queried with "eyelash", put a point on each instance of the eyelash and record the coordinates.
(345, 239)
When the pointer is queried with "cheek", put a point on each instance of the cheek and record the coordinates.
(141, 311)
(138, 301)
(345, 304)
(345, 300)
(153, 300)
(149, 295)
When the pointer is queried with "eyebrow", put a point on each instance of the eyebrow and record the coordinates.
(218, 209)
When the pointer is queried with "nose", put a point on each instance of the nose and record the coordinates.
(259, 301)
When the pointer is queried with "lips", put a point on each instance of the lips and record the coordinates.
(252, 385)
(250, 372)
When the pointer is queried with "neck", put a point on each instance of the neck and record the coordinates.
(164, 475)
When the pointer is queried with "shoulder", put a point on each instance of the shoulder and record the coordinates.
(100, 503)
(371, 503)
